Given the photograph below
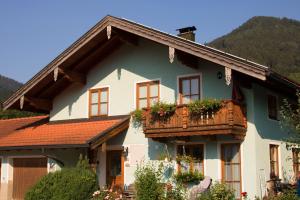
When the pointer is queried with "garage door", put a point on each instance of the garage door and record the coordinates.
(27, 172)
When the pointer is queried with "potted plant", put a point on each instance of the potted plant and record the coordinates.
(199, 108)
(162, 111)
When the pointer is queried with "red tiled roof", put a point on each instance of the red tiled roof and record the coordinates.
(38, 131)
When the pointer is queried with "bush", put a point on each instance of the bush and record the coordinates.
(286, 195)
(176, 192)
(219, 191)
(106, 194)
(148, 182)
(76, 183)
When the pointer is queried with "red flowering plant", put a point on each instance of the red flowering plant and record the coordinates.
(244, 195)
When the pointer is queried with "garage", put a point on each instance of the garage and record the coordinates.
(27, 172)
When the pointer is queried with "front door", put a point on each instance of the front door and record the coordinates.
(115, 169)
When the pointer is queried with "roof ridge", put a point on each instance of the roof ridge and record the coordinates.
(20, 118)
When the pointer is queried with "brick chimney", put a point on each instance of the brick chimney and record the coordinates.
(187, 33)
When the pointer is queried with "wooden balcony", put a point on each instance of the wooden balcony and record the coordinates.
(229, 120)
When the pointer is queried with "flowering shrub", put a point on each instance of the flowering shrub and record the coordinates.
(106, 194)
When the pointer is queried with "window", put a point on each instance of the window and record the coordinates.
(98, 102)
(231, 167)
(189, 89)
(274, 169)
(272, 107)
(296, 161)
(147, 94)
(196, 152)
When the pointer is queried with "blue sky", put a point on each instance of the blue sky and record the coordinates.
(33, 32)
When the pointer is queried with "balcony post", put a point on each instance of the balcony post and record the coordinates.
(230, 112)
(184, 117)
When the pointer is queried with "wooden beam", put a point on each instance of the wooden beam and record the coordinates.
(74, 76)
(187, 59)
(43, 104)
(128, 38)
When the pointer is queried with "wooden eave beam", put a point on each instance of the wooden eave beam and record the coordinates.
(43, 104)
(73, 76)
(127, 38)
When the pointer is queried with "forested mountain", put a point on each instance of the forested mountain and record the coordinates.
(274, 42)
(7, 87)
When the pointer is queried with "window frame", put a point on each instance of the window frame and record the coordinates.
(98, 91)
(191, 164)
(276, 118)
(222, 147)
(148, 98)
(189, 77)
(276, 172)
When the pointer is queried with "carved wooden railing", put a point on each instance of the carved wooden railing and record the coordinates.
(230, 119)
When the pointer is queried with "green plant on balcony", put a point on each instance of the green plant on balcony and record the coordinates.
(162, 111)
(137, 117)
(188, 177)
(200, 107)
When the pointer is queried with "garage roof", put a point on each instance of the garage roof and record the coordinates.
(39, 132)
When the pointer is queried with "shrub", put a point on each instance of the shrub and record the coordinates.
(148, 182)
(219, 191)
(176, 192)
(189, 177)
(286, 195)
(68, 184)
(162, 111)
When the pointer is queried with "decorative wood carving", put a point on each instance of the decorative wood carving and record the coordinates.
(227, 75)
(108, 32)
(55, 74)
(21, 102)
(171, 54)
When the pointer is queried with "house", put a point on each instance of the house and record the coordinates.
(88, 92)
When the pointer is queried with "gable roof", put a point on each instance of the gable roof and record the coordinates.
(38, 132)
(106, 35)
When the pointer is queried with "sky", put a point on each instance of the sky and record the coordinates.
(34, 32)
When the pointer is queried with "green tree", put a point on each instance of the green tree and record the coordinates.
(290, 120)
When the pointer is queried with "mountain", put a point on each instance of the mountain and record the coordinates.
(274, 42)
(7, 87)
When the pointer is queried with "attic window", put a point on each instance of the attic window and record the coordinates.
(98, 104)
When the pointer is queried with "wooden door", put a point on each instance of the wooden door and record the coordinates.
(231, 167)
(115, 169)
(26, 173)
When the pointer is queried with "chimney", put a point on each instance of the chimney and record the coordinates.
(187, 33)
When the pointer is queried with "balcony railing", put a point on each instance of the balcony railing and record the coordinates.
(229, 120)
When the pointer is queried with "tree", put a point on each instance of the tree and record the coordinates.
(290, 120)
